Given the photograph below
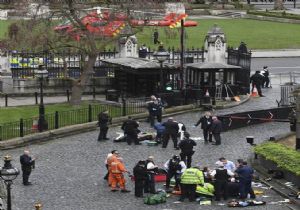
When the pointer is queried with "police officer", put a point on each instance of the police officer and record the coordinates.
(27, 164)
(153, 109)
(131, 131)
(206, 122)
(152, 169)
(171, 131)
(190, 178)
(257, 80)
(103, 120)
(140, 176)
(221, 176)
(186, 146)
(175, 167)
(266, 79)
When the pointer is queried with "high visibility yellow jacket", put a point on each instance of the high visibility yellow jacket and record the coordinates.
(192, 176)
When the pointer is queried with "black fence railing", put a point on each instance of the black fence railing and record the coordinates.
(72, 117)
(67, 64)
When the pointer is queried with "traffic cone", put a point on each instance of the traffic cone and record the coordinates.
(254, 92)
(207, 93)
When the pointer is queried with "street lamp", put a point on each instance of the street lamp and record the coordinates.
(8, 173)
(41, 74)
(161, 56)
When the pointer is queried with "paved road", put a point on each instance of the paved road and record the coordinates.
(69, 170)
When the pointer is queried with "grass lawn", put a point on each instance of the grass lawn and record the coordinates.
(256, 34)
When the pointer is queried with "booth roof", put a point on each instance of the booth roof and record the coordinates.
(138, 63)
(211, 65)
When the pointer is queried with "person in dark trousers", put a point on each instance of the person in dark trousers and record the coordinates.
(206, 122)
(221, 176)
(216, 129)
(155, 37)
(266, 79)
(175, 167)
(245, 178)
(186, 146)
(152, 169)
(143, 51)
(190, 178)
(103, 120)
(245, 174)
(153, 109)
(171, 131)
(130, 128)
(257, 81)
(160, 129)
(140, 176)
(106, 164)
(27, 164)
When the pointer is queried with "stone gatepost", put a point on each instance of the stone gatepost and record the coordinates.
(128, 47)
(215, 45)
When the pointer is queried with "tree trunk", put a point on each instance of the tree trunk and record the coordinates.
(278, 5)
(79, 85)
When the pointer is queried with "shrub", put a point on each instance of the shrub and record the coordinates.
(275, 14)
(285, 158)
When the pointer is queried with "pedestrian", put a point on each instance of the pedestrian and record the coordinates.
(257, 81)
(27, 164)
(216, 129)
(161, 106)
(170, 132)
(175, 167)
(186, 146)
(130, 128)
(181, 130)
(160, 129)
(103, 120)
(117, 170)
(152, 169)
(109, 155)
(221, 176)
(266, 77)
(153, 109)
(206, 122)
(245, 174)
(155, 37)
(140, 176)
(229, 165)
(190, 178)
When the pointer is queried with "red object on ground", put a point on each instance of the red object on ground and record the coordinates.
(160, 178)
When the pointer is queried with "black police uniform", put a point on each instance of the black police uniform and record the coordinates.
(131, 131)
(103, 120)
(205, 126)
(171, 131)
(140, 176)
(187, 152)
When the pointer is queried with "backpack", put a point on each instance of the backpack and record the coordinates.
(156, 199)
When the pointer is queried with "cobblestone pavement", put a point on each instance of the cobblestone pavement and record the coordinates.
(69, 171)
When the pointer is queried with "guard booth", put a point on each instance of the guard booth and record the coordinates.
(140, 77)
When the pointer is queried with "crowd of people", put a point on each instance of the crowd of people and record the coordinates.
(226, 180)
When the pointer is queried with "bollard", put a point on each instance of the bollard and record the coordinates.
(21, 128)
(6, 100)
(38, 206)
(36, 97)
(68, 95)
(56, 120)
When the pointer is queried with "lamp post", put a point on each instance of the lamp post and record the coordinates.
(8, 173)
(161, 56)
(41, 74)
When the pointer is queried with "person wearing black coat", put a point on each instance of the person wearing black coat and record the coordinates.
(103, 120)
(27, 164)
(131, 131)
(140, 176)
(186, 146)
(257, 80)
(171, 130)
(216, 129)
(206, 122)
(266, 79)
